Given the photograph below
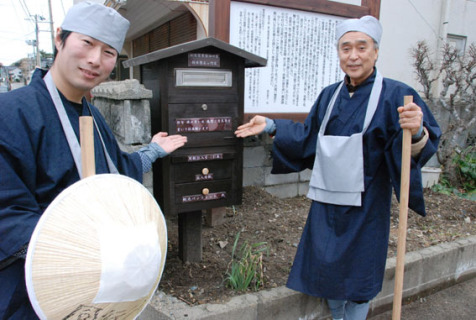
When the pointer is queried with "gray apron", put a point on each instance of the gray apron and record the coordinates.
(68, 129)
(338, 172)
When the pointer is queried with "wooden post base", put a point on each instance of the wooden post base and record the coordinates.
(190, 236)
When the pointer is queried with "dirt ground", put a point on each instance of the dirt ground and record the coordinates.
(279, 222)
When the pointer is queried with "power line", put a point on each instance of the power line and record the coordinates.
(16, 35)
(16, 13)
(25, 9)
(10, 38)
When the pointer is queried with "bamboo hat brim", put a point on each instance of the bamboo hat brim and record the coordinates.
(98, 251)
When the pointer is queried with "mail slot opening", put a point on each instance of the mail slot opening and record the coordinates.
(203, 78)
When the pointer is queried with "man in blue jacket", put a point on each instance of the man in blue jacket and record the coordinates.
(352, 141)
(39, 130)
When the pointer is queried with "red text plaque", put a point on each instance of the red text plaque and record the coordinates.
(184, 125)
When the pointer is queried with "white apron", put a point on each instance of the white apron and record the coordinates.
(338, 172)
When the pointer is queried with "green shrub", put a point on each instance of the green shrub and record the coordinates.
(465, 162)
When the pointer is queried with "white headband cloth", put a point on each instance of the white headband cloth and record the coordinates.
(367, 24)
(97, 21)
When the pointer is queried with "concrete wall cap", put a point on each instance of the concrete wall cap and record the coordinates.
(122, 90)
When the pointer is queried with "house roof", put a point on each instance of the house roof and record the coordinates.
(251, 60)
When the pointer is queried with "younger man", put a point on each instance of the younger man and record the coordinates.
(39, 129)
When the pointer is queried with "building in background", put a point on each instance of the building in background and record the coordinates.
(5, 84)
(15, 73)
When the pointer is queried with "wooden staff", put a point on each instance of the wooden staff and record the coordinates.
(402, 220)
(86, 138)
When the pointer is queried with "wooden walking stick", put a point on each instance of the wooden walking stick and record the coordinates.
(86, 137)
(402, 219)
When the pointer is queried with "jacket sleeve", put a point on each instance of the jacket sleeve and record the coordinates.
(393, 157)
(19, 210)
(294, 144)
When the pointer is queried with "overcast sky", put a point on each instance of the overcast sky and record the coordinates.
(17, 25)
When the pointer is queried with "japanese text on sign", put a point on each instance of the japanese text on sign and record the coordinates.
(205, 157)
(201, 197)
(204, 177)
(203, 60)
(203, 124)
(301, 51)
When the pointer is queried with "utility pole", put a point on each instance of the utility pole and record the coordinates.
(38, 58)
(37, 44)
(52, 28)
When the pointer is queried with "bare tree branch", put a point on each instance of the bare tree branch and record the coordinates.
(456, 73)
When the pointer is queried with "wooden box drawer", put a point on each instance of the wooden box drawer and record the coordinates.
(189, 196)
(202, 171)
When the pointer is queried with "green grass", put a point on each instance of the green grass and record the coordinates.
(246, 268)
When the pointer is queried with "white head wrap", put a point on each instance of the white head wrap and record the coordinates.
(97, 21)
(367, 24)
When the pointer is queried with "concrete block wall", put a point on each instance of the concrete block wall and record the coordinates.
(257, 164)
(126, 108)
(429, 269)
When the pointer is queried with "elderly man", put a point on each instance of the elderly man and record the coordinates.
(39, 149)
(352, 140)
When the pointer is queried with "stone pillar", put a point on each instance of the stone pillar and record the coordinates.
(126, 108)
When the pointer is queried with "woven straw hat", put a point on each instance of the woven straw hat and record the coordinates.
(97, 252)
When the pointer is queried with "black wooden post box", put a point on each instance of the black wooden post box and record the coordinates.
(198, 91)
